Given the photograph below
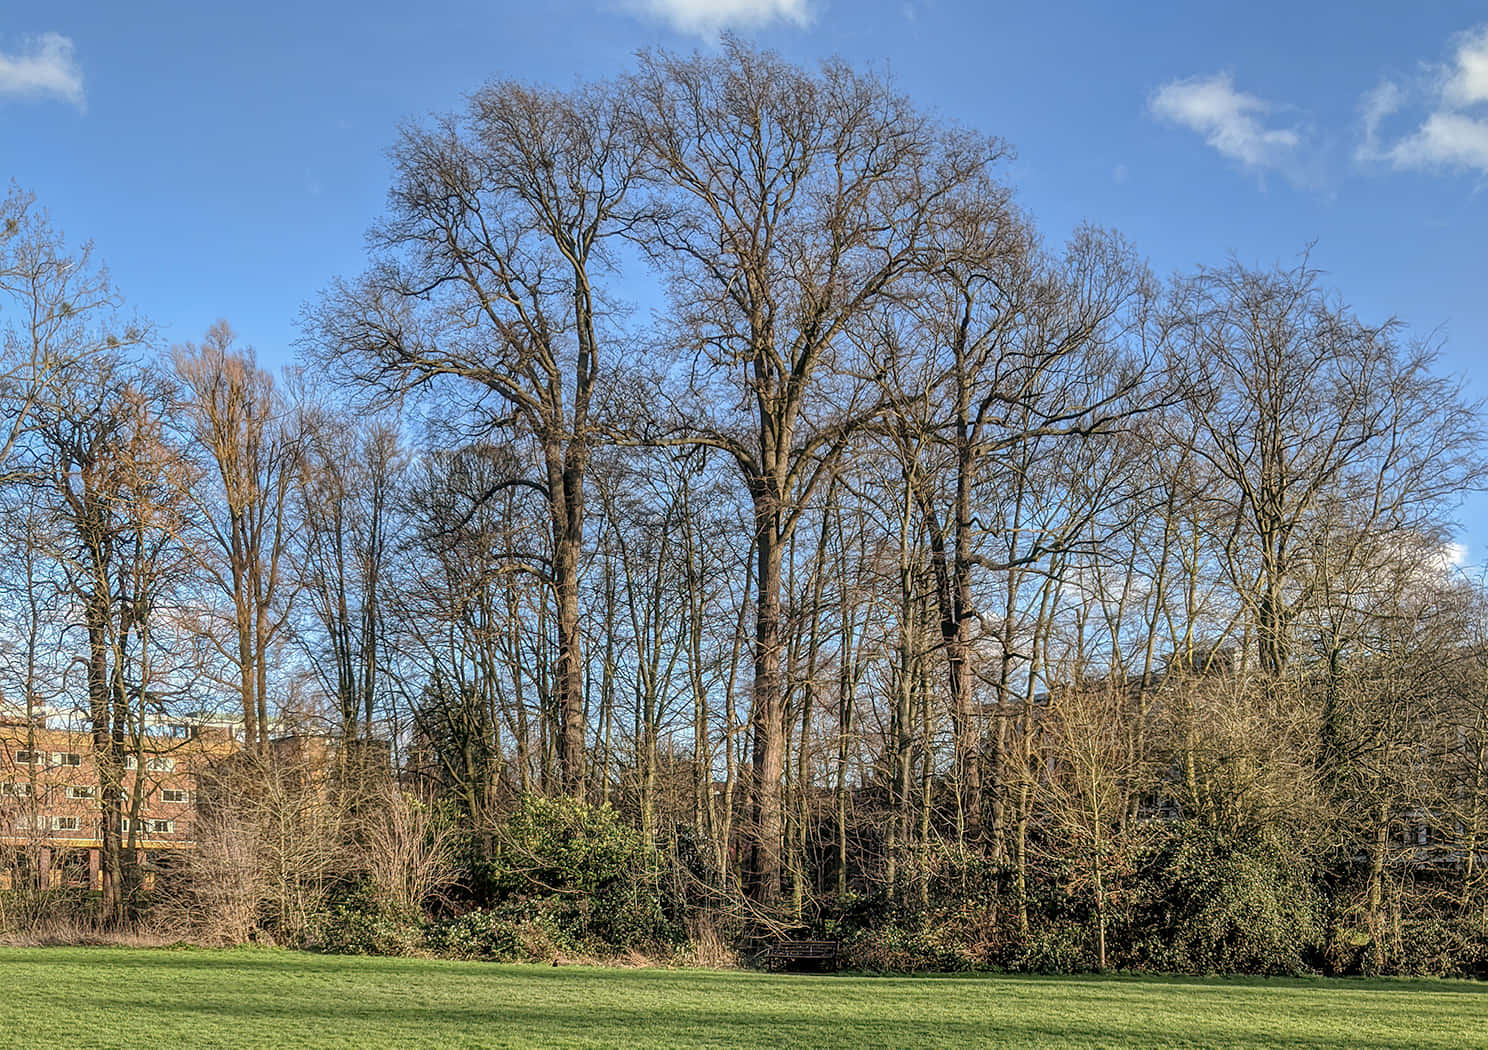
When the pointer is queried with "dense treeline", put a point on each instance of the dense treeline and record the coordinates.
(887, 572)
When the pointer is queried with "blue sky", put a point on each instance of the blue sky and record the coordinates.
(227, 159)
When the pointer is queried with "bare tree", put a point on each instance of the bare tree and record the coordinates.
(460, 623)
(1305, 405)
(486, 273)
(786, 206)
(1025, 355)
(344, 501)
(237, 419)
(117, 489)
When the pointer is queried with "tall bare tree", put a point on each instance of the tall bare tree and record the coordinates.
(344, 500)
(486, 274)
(1024, 354)
(1306, 405)
(240, 423)
(787, 205)
(116, 488)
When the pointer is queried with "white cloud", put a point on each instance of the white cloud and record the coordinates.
(707, 18)
(1467, 82)
(1381, 103)
(1230, 121)
(44, 65)
(1453, 133)
(1446, 140)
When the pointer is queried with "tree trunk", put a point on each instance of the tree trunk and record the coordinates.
(766, 714)
(569, 676)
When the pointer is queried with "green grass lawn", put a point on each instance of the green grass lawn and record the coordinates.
(116, 997)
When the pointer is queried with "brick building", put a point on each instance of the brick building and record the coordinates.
(50, 813)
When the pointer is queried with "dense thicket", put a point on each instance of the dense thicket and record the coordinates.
(888, 572)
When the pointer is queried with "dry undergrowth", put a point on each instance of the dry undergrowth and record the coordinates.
(59, 933)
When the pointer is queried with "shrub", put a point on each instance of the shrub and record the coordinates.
(1231, 905)
(892, 948)
(1055, 948)
(497, 937)
(270, 851)
(407, 849)
(582, 872)
(354, 927)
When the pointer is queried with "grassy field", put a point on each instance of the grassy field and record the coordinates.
(114, 997)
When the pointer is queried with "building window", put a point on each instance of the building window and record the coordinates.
(16, 789)
(66, 758)
(73, 791)
(30, 758)
(160, 764)
(173, 795)
(162, 827)
(130, 762)
(64, 823)
(28, 823)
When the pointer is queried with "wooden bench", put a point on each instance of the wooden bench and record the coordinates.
(789, 953)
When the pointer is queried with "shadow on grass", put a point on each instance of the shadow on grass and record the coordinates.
(743, 1027)
(295, 998)
(286, 961)
(1413, 985)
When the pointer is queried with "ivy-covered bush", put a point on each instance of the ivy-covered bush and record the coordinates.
(498, 937)
(356, 927)
(1218, 903)
(582, 874)
(892, 948)
(957, 925)
(1054, 947)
